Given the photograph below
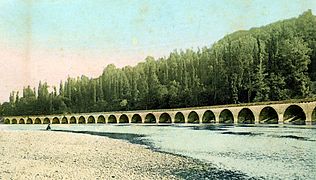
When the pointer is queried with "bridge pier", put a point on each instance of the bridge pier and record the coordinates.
(186, 119)
(281, 120)
(309, 120)
(235, 116)
(106, 119)
(217, 114)
(143, 118)
(173, 118)
(129, 118)
(157, 116)
(257, 119)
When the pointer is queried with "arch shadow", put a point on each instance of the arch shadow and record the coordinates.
(91, 120)
(21, 121)
(193, 117)
(64, 120)
(7, 121)
(73, 120)
(38, 121)
(246, 116)
(55, 120)
(313, 118)
(226, 116)
(136, 118)
(29, 121)
(14, 121)
(165, 118)
(112, 119)
(81, 120)
(46, 121)
(123, 118)
(179, 118)
(208, 117)
(294, 114)
(101, 119)
(150, 118)
(268, 115)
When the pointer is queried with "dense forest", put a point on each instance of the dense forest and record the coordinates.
(273, 62)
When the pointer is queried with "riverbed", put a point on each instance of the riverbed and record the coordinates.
(257, 151)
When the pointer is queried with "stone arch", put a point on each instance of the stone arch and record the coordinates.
(136, 118)
(29, 121)
(150, 118)
(64, 120)
(193, 117)
(101, 119)
(91, 119)
(179, 118)
(55, 120)
(123, 118)
(73, 120)
(112, 119)
(81, 120)
(268, 115)
(313, 116)
(14, 121)
(165, 118)
(21, 121)
(246, 116)
(208, 117)
(46, 121)
(226, 116)
(38, 121)
(294, 114)
(7, 121)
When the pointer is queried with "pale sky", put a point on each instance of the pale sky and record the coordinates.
(50, 40)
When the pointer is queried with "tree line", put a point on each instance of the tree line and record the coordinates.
(273, 62)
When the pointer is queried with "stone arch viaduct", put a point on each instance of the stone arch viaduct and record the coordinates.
(268, 113)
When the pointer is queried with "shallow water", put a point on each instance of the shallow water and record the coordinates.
(263, 152)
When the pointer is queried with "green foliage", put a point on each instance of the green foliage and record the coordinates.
(274, 62)
(123, 103)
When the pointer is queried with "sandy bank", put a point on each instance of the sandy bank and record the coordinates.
(58, 155)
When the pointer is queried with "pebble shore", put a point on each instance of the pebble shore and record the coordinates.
(59, 155)
(63, 155)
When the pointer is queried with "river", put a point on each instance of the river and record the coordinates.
(259, 151)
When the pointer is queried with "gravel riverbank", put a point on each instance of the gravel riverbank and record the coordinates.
(60, 155)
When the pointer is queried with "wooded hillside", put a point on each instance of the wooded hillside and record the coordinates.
(273, 62)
